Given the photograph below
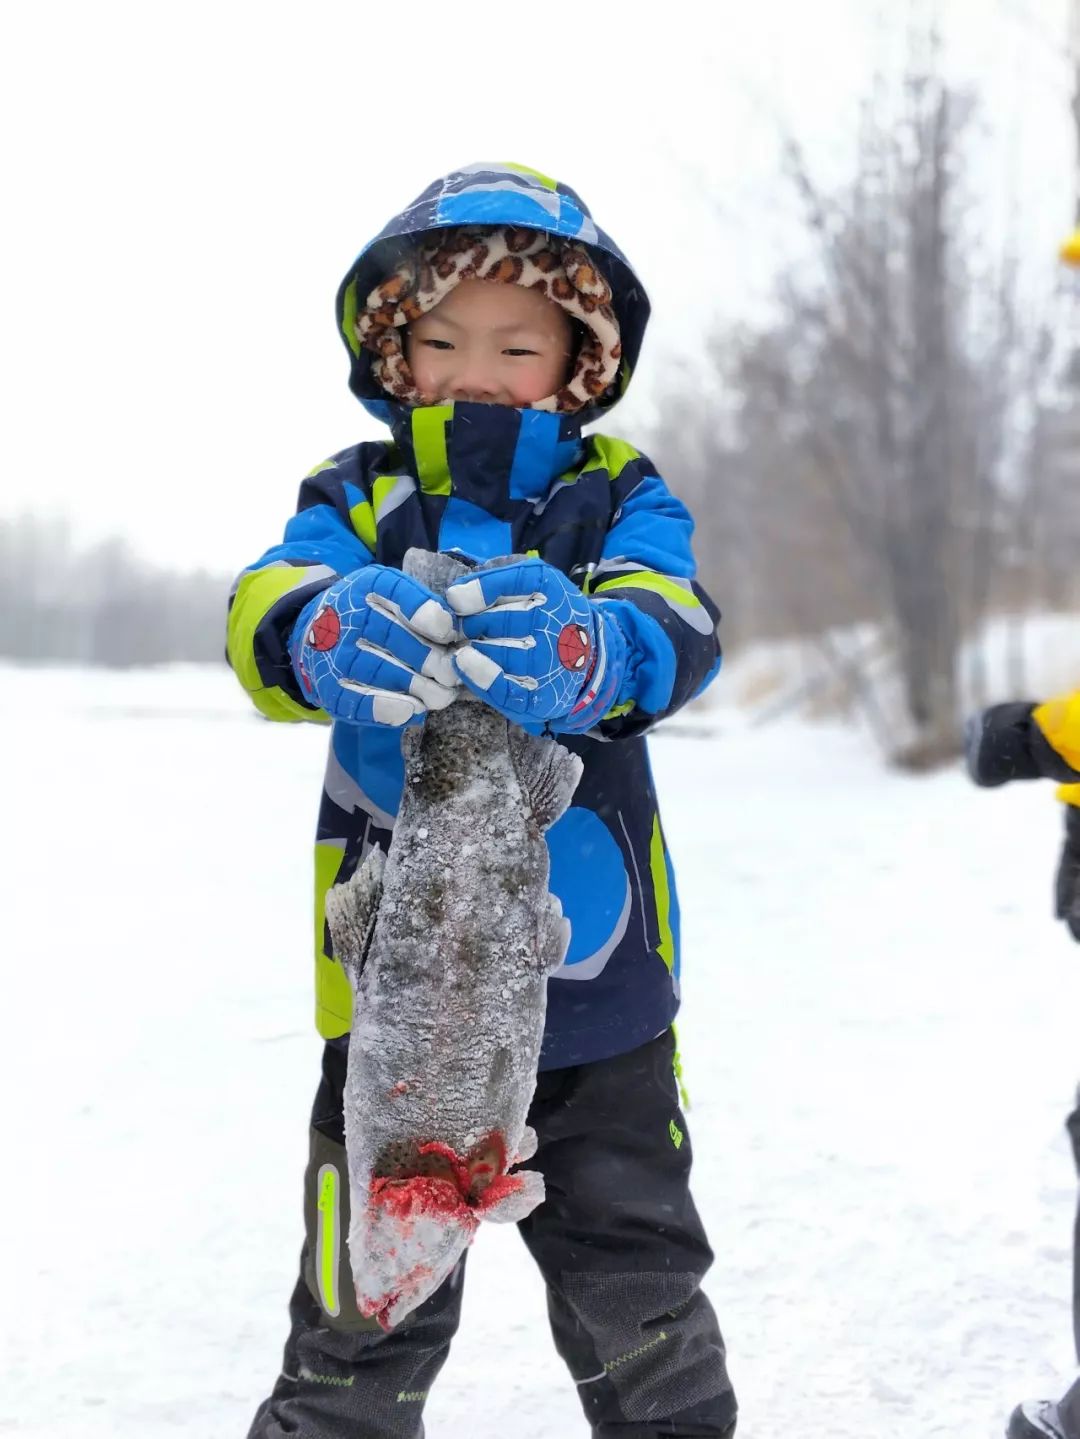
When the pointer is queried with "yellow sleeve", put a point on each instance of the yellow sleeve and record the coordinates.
(1059, 720)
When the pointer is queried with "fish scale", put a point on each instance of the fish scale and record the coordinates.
(448, 940)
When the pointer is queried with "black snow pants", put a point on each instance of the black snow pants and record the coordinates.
(618, 1241)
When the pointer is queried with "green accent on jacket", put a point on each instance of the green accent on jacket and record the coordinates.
(663, 585)
(257, 592)
(608, 453)
(658, 868)
(429, 446)
(333, 993)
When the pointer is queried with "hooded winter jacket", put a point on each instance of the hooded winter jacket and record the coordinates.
(492, 481)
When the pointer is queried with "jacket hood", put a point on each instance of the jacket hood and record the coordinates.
(489, 194)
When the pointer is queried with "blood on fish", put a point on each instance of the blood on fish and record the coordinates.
(379, 1309)
(474, 1173)
(409, 1199)
(497, 1190)
(422, 1197)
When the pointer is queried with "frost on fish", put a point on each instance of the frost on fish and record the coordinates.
(448, 941)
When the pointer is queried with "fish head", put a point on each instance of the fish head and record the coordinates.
(414, 1227)
(409, 1239)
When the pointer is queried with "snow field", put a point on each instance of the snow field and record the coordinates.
(879, 1037)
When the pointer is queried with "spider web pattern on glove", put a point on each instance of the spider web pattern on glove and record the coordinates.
(531, 638)
(367, 654)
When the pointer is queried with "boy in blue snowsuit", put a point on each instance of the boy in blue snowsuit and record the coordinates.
(486, 324)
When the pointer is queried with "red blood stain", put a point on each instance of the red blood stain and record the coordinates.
(497, 1190)
(477, 1184)
(379, 1309)
(420, 1197)
(475, 1172)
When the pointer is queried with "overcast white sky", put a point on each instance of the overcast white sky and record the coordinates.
(185, 185)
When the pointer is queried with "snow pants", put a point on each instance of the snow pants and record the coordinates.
(617, 1240)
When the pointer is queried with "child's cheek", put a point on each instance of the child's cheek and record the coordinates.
(424, 371)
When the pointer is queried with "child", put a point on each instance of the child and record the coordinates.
(486, 324)
(1029, 741)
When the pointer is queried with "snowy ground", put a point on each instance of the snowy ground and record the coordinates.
(880, 1041)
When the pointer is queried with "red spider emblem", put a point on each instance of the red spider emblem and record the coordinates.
(574, 646)
(325, 629)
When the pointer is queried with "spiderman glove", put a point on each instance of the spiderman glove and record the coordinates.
(537, 649)
(372, 649)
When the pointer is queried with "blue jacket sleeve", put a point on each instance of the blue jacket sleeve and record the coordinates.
(325, 539)
(645, 579)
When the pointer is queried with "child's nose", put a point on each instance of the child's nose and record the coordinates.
(475, 382)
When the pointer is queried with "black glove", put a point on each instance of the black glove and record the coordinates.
(1003, 743)
(1067, 906)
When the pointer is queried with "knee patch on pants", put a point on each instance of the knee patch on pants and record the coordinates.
(655, 1335)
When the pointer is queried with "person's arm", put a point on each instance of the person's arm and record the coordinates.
(646, 581)
(610, 659)
(320, 545)
(1025, 740)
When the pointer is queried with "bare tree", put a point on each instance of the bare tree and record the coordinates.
(887, 419)
(102, 605)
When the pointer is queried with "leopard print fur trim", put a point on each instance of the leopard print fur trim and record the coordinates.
(560, 269)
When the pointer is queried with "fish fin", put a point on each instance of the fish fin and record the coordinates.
(527, 1145)
(351, 911)
(554, 933)
(517, 1196)
(548, 774)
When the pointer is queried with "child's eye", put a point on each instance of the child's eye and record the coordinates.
(437, 344)
(519, 352)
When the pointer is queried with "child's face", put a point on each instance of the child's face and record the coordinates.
(495, 343)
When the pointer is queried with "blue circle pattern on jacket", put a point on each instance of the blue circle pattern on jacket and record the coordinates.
(588, 874)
